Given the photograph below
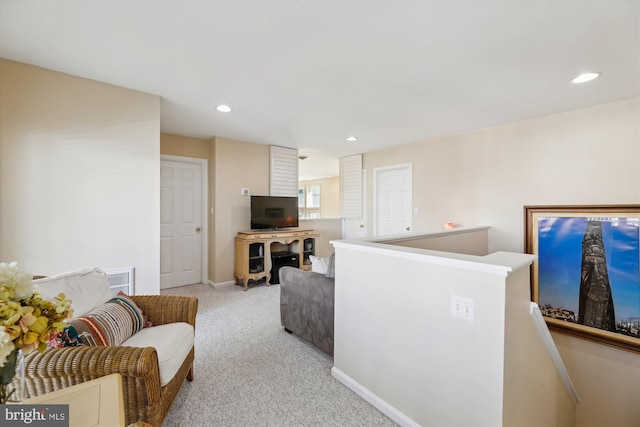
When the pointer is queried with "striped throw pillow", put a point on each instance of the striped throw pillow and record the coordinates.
(110, 323)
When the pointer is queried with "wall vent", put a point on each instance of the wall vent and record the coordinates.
(121, 280)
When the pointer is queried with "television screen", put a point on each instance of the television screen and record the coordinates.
(271, 212)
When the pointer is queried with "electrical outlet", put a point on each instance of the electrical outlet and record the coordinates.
(244, 191)
(462, 307)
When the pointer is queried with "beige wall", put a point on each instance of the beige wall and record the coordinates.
(534, 391)
(237, 165)
(184, 146)
(587, 156)
(606, 379)
(79, 182)
(458, 240)
(232, 165)
(329, 195)
(328, 229)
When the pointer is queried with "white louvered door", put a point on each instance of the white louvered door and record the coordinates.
(352, 197)
(283, 172)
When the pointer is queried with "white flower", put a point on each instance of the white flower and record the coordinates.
(6, 346)
(14, 277)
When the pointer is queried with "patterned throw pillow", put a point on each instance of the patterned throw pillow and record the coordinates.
(110, 323)
(67, 338)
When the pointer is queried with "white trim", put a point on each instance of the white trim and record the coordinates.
(461, 261)
(204, 164)
(550, 345)
(376, 171)
(499, 263)
(384, 407)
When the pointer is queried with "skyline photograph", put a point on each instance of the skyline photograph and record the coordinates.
(560, 262)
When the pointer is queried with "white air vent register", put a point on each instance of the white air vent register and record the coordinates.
(121, 280)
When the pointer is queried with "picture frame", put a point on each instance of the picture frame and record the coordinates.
(586, 278)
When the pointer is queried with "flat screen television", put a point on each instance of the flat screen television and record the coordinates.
(271, 212)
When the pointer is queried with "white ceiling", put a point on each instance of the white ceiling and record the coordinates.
(306, 74)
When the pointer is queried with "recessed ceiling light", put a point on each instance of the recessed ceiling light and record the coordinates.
(223, 108)
(585, 77)
(352, 138)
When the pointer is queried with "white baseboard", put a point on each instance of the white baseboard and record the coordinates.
(391, 412)
(222, 284)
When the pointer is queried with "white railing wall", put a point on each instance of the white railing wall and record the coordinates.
(398, 344)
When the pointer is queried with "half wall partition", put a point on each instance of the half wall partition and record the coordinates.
(438, 338)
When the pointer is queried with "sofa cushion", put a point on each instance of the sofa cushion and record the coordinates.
(85, 288)
(110, 323)
(319, 265)
(331, 267)
(172, 341)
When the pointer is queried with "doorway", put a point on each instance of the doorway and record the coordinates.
(393, 199)
(183, 221)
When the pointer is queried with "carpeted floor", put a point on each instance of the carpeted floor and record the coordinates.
(250, 372)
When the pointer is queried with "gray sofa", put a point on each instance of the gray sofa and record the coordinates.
(306, 306)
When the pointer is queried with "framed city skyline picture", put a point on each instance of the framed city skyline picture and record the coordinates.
(586, 279)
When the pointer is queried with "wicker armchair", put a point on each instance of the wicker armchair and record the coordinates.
(144, 399)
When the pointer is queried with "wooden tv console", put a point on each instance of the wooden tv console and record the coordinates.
(254, 250)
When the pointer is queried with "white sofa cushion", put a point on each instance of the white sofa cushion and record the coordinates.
(319, 265)
(172, 342)
(85, 288)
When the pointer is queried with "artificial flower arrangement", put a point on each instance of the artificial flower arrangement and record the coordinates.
(27, 322)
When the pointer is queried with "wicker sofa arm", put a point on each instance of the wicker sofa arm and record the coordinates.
(163, 309)
(55, 369)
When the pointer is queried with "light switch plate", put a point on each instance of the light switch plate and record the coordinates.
(462, 308)
(244, 191)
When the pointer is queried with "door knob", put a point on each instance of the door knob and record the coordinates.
(361, 225)
(408, 228)
(198, 229)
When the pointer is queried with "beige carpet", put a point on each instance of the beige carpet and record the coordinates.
(250, 372)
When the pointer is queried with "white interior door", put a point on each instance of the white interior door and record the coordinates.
(180, 223)
(393, 199)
